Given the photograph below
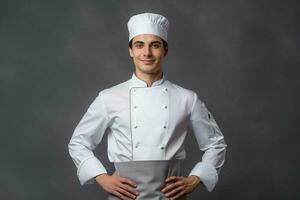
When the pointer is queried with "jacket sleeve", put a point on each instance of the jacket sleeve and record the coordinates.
(86, 136)
(210, 140)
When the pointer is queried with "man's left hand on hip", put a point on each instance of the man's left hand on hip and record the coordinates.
(177, 186)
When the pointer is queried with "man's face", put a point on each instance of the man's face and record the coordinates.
(147, 53)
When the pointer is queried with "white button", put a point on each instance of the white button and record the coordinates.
(166, 107)
(165, 126)
(135, 126)
(135, 107)
(166, 89)
(162, 148)
(137, 145)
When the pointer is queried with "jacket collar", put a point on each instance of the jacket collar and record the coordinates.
(136, 82)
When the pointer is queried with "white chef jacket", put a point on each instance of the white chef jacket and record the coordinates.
(147, 123)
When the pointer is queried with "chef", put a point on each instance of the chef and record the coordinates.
(147, 119)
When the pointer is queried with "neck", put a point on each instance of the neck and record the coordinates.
(149, 78)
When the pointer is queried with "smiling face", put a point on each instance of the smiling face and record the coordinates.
(148, 53)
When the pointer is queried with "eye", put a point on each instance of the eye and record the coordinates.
(156, 46)
(138, 46)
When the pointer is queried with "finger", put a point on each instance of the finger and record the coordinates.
(126, 193)
(178, 195)
(128, 181)
(171, 186)
(167, 188)
(129, 189)
(171, 178)
(118, 194)
(174, 191)
(174, 178)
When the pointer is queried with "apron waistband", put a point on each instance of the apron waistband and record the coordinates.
(149, 176)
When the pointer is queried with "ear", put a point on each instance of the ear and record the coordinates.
(166, 51)
(165, 54)
(130, 52)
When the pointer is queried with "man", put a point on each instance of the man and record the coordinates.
(147, 117)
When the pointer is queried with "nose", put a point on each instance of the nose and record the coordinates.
(147, 51)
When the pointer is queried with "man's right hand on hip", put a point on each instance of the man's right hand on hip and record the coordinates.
(121, 187)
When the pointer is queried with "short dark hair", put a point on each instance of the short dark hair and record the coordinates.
(165, 44)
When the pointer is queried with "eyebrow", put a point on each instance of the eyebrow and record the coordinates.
(141, 42)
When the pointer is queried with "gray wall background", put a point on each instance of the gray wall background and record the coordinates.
(240, 56)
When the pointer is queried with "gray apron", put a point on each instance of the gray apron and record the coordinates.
(149, 176)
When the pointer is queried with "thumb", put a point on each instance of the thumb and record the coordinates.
(114, 174)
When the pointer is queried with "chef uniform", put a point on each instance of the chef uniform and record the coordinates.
(146, 128)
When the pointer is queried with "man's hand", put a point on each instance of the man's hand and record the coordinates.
(179, 185)
(121, 187)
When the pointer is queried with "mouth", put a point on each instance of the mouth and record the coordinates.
(147, 61)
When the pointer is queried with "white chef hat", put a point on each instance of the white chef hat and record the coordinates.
(148, 23)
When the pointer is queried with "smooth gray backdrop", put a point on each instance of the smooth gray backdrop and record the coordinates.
(241, 56)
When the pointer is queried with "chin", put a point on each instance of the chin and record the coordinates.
(149, 70)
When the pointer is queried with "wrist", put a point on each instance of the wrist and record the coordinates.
(195, 180)
(99, 177)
